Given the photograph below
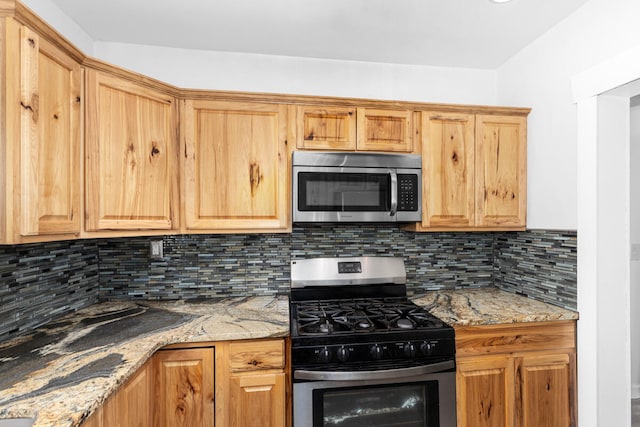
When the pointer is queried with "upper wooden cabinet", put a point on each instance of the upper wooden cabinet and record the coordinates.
(474, 171)
(131, 149)
(350, 129)
(330, 128)
(501, 171)
(448, 155)
(235, 166)
(40, 145)
(385, 130)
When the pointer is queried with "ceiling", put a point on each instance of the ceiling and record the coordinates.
(456, 33)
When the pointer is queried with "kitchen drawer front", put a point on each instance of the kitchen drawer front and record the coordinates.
(253, 355)
(488, 339)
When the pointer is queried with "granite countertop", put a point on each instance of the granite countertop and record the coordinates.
(61, 372)
(488, 306)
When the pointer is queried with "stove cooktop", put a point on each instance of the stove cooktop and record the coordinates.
(354, 314)
(361, 316)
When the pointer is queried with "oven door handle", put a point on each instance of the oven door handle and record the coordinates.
(373, 375)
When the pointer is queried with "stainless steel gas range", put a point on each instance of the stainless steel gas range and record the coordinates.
(362, 353)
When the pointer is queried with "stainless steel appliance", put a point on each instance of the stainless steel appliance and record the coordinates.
(356, 187)
(362, 353)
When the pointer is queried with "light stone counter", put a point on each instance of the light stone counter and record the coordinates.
(488, 306)
(62, 372)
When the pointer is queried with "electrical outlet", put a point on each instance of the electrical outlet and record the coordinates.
(155, 249)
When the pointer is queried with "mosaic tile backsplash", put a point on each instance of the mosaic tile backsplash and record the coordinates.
(41, 281)
(538, 264)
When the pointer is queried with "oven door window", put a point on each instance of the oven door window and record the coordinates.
(406, 405)
(344, 192)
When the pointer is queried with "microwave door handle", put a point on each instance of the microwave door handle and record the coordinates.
(394, 193)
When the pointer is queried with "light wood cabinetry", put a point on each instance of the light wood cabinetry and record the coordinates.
(234, 383)
(448, 154)
(40, 138)
(516, 375)
(385, 130)
(184, 389)
(90, 150)
(326, 128)
(474, 172)
(235, 165)
(501, 171)
(131, 406)
(252, 373)
(351, 129)
(131, 156)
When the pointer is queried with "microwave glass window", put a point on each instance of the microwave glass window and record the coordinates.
(410, 405)
(344, 192)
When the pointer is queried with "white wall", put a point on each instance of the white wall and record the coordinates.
(279, 74)
(578, 175)
(62, 23)
(635, 245)
(539, 76)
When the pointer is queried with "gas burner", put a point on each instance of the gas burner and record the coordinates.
(331, 317)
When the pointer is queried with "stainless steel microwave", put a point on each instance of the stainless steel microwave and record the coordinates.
(356, 187)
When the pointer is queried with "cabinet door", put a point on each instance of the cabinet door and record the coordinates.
(184, 387)
(385, 130)
(485, 392)
(330, 128)
(447, 169)
(501, 162)
(131, 148)
(257, 400)
(545, 385)
(95, 419)
(236, 166)
(50, 84)
(132, 405)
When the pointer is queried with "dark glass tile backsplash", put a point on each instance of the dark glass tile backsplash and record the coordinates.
(42, 281)
(540, 264)
(39, 282)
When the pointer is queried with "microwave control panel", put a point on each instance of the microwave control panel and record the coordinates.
(408, 192)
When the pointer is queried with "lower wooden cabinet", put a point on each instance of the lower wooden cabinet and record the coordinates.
(234, 383)
(184, 387)
(131, 406)
(251, 379)
(516, 375)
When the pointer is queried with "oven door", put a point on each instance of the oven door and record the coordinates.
(395, 397)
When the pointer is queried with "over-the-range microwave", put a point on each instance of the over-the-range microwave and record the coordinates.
(356, 187)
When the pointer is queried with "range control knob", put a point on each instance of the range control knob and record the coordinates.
(409, 350)
(426, 348)
(324, 355)
(376, 352)
(343, 354)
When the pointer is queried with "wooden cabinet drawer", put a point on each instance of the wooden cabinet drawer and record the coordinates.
(487, 339)
(252, 355)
